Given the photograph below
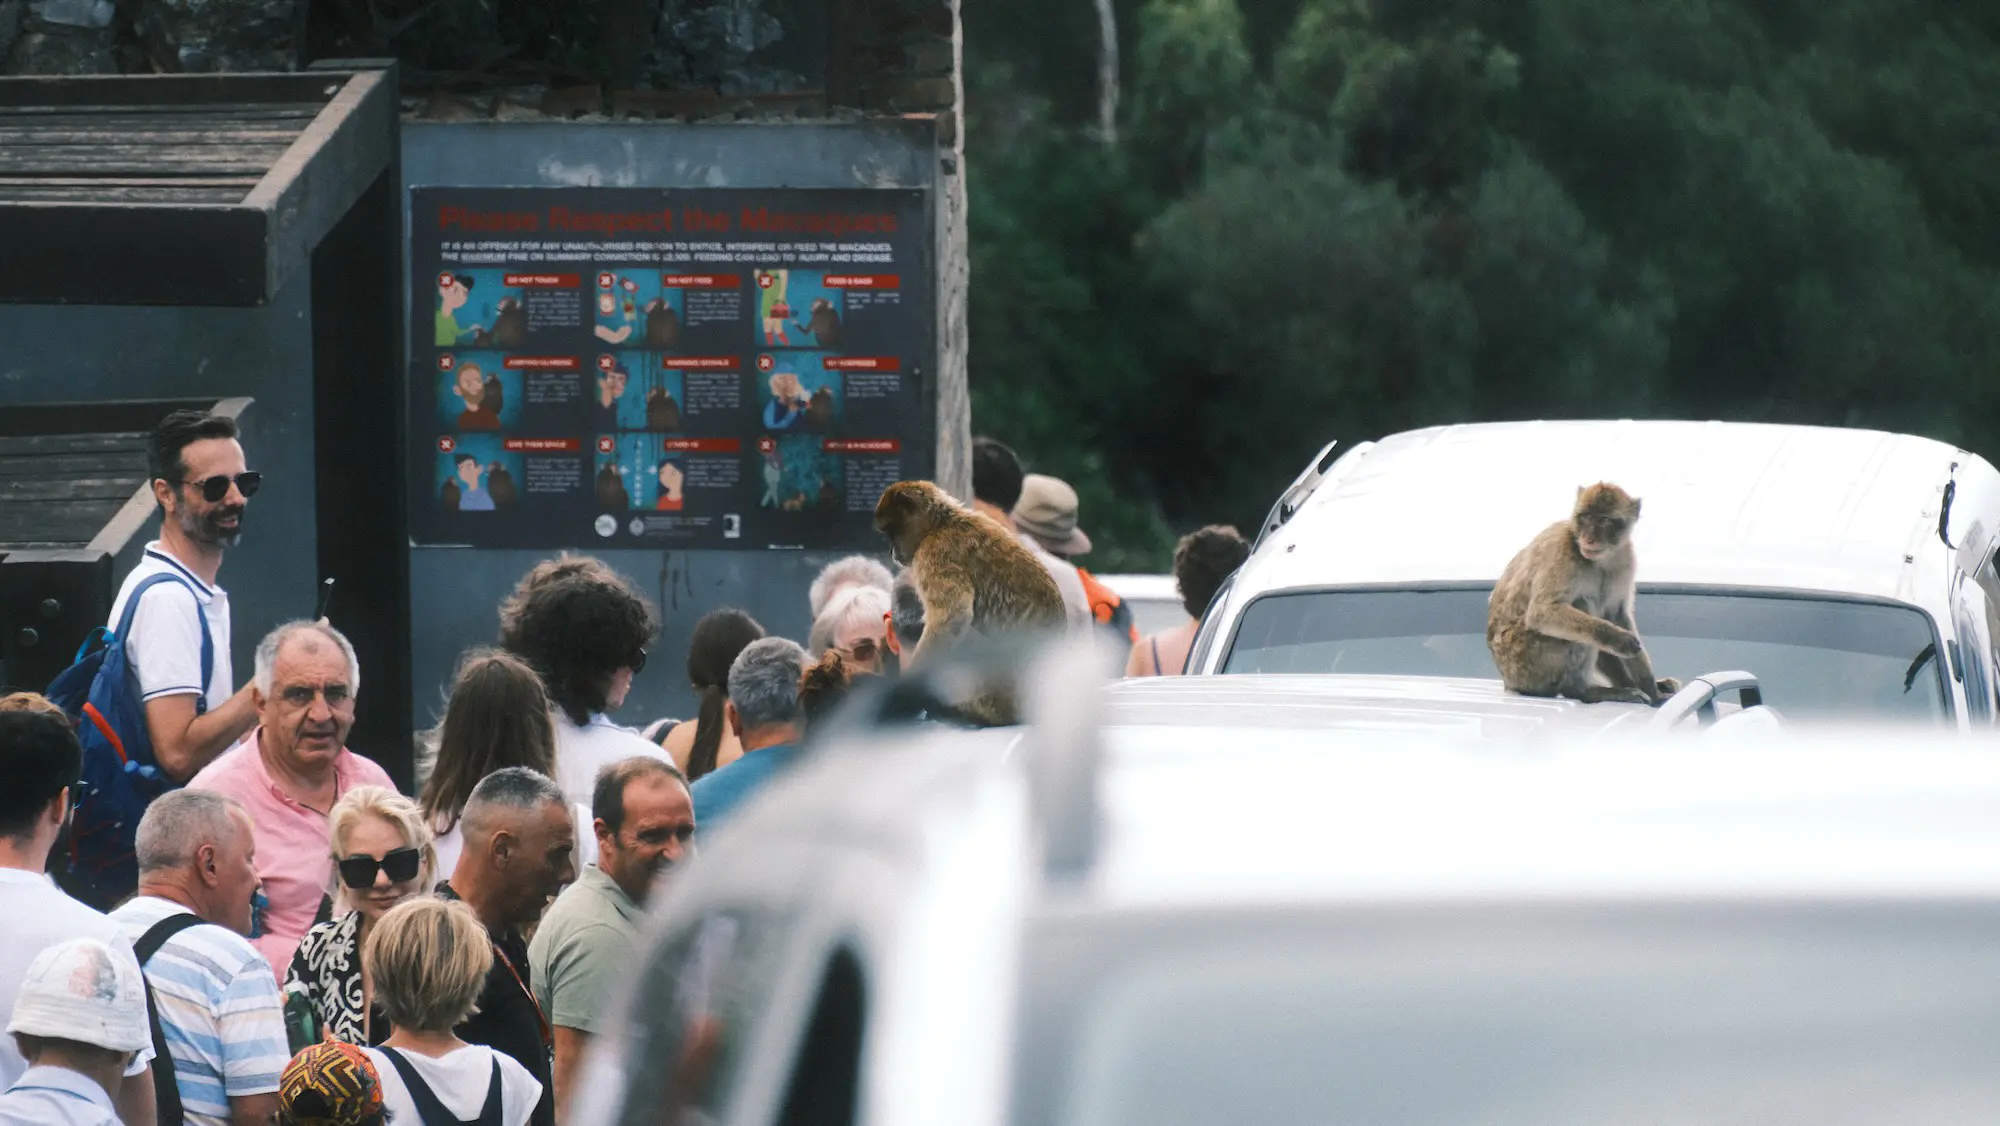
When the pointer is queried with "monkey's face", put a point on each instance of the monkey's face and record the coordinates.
(1603, 521)
(899, 517)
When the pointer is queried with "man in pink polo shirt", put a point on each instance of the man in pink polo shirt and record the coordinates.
(291, 770)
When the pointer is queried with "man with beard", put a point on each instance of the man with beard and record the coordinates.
(644, 820)
(192, 713)
(291, 770)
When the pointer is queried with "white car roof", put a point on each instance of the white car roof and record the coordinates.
(1415, 704)
(1724, 504)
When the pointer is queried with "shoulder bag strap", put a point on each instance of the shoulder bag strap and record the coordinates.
(166, 1090)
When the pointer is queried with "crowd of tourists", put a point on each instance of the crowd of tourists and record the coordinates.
(267, 930)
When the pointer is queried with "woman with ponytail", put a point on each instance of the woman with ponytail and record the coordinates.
(704, 743)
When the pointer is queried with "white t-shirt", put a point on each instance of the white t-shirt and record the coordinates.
(460, 1080)
(35, 915)
(1076, 601)
(583, 751)
(165, 646)
(449, 843)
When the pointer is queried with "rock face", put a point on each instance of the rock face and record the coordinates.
(198, 36)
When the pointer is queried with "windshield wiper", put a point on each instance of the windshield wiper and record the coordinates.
(1927, 656)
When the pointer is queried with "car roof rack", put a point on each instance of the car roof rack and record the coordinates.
(1699, 696)
(1295, 494)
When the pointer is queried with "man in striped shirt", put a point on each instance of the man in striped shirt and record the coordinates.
(220, 1014)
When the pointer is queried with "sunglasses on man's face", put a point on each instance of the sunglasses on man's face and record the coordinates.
(359, 871)
(215, 488)
(862, 650)
(638, 664)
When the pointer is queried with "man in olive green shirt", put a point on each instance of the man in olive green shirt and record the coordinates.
(644, 819)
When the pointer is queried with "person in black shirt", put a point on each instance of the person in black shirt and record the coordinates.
(520, 849)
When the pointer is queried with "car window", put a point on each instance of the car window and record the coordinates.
(704, 990)
(1816, 657)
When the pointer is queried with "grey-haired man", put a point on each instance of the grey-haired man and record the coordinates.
(763, 711)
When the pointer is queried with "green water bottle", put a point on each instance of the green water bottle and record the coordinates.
(301, 1021)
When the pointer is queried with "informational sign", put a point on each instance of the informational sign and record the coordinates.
(633, 367)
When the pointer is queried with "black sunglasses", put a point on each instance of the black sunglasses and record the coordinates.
(215, 488)
(638, 664)
(359, 871)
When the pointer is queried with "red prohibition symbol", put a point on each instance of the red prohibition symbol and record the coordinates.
(605, 281)
(606, 445)
(605, 362)
(446, 445)
(766, 363)
(444, 362)
(766, 444)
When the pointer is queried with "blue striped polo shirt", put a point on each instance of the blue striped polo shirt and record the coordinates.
(219, 1009)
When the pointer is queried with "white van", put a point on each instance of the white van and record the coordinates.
(1851, 571)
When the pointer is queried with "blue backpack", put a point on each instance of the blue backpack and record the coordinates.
(121, 778)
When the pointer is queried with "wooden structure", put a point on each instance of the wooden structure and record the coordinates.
(158, 193)
(73, 492)
(182, 189)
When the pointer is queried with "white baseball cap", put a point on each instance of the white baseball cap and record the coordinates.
(79, 990)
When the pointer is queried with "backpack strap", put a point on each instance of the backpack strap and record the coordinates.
(124, 630)
(166, 1090)
(430, 1109)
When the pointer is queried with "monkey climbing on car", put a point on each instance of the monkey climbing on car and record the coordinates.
(663, 325)
(1562, 610)
(823, 324)
(972, 576)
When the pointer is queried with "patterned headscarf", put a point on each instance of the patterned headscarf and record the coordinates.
(330, 1084)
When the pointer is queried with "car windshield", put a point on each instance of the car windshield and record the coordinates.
(1816, 657)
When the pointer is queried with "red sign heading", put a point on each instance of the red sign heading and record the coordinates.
(544, 445)
(862, 363)
(544, 363)
(701, 281)
(702, 363)
(863, 281)
(702, 445)
(543, 281)
(862, 446)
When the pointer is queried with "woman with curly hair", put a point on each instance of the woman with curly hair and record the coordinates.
(1202, 560)
(585, 630)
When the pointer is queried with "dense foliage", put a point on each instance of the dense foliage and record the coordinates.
(1339, 218)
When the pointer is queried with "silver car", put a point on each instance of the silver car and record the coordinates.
(1088, 923)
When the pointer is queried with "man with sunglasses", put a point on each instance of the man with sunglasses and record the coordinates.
(193, 713)
(291, 771)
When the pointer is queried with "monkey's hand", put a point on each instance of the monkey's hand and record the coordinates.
(1618, 640)
(1667, 686)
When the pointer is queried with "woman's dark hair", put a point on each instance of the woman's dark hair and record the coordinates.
(822, 686)
(1203, 560)
(498, 717)
(718, 637)
(579, 630)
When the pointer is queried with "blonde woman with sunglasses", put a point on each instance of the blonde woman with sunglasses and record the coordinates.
(383, 855)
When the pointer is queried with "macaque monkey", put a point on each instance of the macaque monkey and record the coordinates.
(510, 326)
(824, 324)
(1562, 610)
(819, 410)
(663, 325)
(611, 495)
(973, 577)
(449, 495)
(500, 486)
(662, 413)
